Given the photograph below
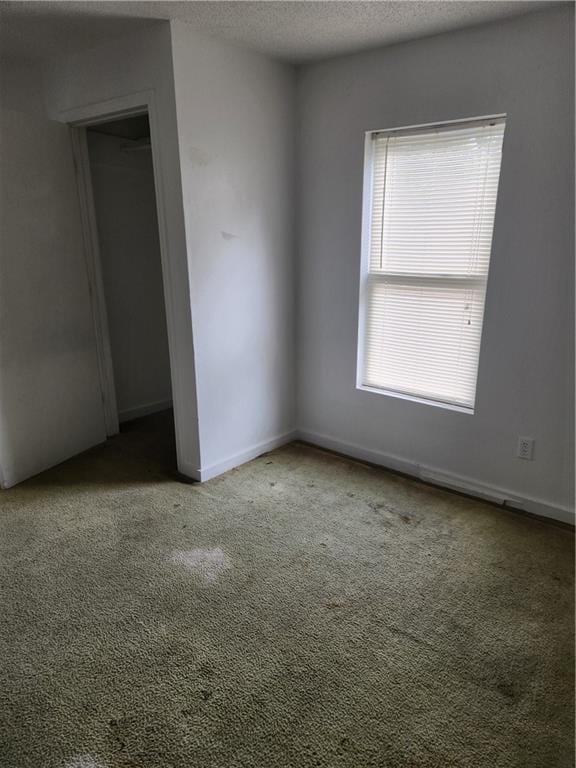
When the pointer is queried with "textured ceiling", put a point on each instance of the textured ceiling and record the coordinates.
(293, 31)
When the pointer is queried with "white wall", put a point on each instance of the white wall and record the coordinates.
(125, 202)
(141, 63)
(229, 257)
(235, 125)
(50, 404)
(523, 67)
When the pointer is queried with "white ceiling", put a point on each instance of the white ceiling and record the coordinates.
(293, 31)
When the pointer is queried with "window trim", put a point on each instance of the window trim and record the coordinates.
(365, 258)
(415, 399)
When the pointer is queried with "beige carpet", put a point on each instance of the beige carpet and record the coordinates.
(302, 611)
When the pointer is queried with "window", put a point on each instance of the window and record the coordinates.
(430, 199)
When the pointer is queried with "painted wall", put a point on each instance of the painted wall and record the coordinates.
(236, 132)
(125, 202)
(523, 67)
(229, 271)
(50, 403)
(141, 63)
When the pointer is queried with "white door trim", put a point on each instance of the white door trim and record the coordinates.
(124, 106)
(104, 111)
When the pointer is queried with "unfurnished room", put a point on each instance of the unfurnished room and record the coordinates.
(287, 384)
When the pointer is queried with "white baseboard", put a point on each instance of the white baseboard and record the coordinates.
(143, 410)
(207, 473)
(444, 479)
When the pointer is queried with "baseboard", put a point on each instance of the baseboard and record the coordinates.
(449, 480)
(143, 410)
(188, 472)
(207, 473)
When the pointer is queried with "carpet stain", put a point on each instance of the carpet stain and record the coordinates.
(205, 694)
(206, 564)
(84, 761)
(386, 513)
(206, 670)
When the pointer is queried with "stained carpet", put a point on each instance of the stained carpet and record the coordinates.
(302, 611)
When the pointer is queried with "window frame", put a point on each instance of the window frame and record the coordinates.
(366, 275)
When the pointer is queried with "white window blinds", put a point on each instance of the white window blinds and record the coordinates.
(431, 215)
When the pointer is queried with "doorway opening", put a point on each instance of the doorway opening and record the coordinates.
(128, 293)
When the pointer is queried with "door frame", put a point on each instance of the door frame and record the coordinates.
(78, 120)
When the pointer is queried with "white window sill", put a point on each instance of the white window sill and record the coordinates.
(414, 399)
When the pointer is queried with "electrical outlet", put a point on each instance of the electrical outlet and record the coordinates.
(525, 449)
